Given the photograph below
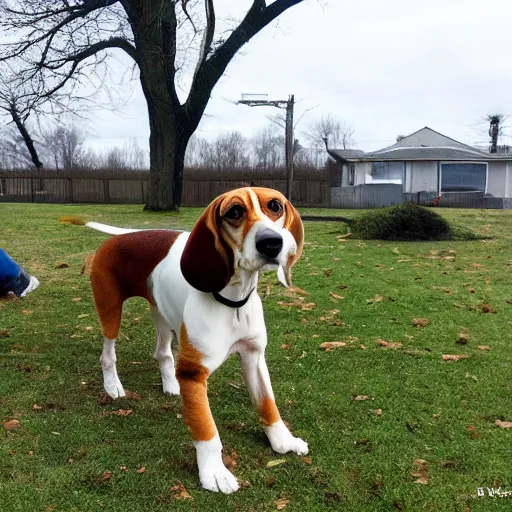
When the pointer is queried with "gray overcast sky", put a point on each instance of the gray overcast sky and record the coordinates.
(387, 67)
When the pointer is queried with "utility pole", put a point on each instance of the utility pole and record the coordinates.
(288, 138)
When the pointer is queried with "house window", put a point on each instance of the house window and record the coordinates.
(351, 173)
(387, 172)
(463, 177)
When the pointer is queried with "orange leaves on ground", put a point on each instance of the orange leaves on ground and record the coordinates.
(503, 424)
(104, 477)
(419, 322)
(141, 470)
(307, 460)
(454, 357)
(377, 298)
(486, 308)
(230, 461)
(304, 306)
(420, 471)
(387, 344)
(281, 503)
(472, 432)
(11, 424)
(331, 314)
(328, 346)
(180, 493)
(133, 395)
(119, 412)
(362, 398)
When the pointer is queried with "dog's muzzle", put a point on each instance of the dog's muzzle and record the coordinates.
(268, 243)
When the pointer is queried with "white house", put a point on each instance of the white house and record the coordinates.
(424, 162)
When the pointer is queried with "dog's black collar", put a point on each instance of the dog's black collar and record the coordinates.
(231, 303)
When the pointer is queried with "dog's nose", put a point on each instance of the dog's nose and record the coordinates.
(269, 243)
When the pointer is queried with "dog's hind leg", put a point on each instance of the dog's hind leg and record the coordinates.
(109, 306)
(163, 353)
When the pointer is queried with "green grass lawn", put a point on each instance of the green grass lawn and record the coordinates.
(362, 452)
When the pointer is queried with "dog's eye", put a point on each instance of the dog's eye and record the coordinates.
(235, 212)
(275, 206)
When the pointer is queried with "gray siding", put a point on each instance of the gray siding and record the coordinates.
(366, 196)
(497, 179)
(423, 177)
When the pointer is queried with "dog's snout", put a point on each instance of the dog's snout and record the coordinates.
(269, 243)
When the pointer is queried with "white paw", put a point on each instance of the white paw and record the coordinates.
(113, 387)
(218, 479)
(282, 440)
(171, 386)
(292, 444)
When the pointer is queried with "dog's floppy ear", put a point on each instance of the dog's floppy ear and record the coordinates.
(207, 260)
(293, 224)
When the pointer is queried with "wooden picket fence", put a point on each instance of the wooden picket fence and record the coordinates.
(310, 186)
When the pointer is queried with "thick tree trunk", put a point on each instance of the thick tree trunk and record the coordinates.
(26, 138)
(167, 145)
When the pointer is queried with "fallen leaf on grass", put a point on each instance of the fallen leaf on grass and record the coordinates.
(141, 470)
(133, 395)
(304, 306)
(284, 346)
(336, 296)
(487, 309)
(11, 424)
(307, 460)
(420, 471)
(454, 357)
(328, 346)
(484, 347)
(62, 265)
(361, 398)
(504, 424)
(281, 503)
(124, 469)
(105, 477)
(469, 376)
(50, 508)
(119, 412)
(419, 322)
(377, 298)
(275, 462)
(26, 311)
(377, 412)
(180, 493)
(4, 333)
(230, 461)
(330, 316)
(473, 432)
(387, 344)
(76, 299)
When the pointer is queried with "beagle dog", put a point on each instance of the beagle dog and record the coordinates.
(202, 288)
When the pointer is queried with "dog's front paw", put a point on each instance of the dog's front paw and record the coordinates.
(171, 386)
(218, 479)
(282, 440)
(114, 388)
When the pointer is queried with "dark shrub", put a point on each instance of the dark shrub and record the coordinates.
(407, 221)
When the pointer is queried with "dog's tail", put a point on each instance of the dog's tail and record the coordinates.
(104, 228)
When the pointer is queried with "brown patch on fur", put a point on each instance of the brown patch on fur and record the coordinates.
(268, 411)
(120, 270)
(192, 376)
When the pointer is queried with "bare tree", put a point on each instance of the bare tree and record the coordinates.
(64, 144)
(18, 101)
(268, 148)
(227, 152)
(67, 41)
(13, 151)
(338, 134)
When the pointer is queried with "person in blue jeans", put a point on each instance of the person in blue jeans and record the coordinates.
(14, 281)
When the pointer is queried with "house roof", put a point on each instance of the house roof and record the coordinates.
(424, 144)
